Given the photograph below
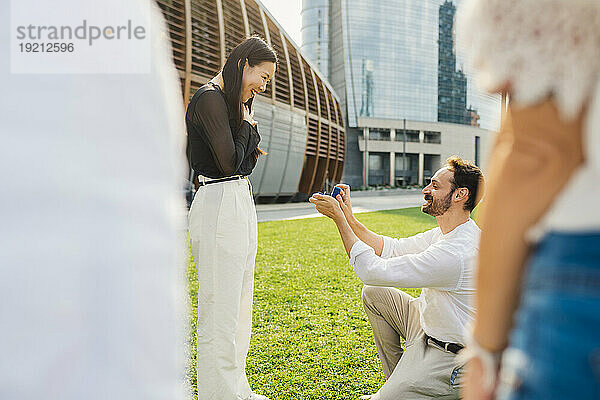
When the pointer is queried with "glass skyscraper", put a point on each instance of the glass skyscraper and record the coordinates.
(315, 33)
(394, 60)
(452, 84)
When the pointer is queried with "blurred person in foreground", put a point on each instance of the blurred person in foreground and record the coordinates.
(440, 261)
(92, 292)
(537, 329)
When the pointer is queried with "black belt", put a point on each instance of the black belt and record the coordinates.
(451, 347)
(219, 180)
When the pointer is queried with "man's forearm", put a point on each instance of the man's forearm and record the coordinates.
(346, 233)
(365, 235)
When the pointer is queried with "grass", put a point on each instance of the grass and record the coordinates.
(311, 338)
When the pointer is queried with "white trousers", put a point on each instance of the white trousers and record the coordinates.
(223, 236)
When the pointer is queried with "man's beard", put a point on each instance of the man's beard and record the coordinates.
(437, 207)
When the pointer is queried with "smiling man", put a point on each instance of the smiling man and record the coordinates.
(441, 261)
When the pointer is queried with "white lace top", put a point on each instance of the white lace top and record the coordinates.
(544, 47)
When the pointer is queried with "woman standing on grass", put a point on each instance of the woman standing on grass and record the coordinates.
(223, 143)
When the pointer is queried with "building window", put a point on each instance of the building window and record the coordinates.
(411, 135)
(379, 134)
(431, 163)
(410, 173)
(375, 162)
(432, 137)
(403, 163)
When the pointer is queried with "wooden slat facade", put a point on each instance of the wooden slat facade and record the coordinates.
(203, 32)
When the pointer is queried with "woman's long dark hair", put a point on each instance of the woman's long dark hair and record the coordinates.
(255, 51)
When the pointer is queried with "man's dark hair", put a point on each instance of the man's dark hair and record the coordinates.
(467, 175)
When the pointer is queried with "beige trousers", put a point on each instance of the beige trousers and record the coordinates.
(422, 370)
(223, 237)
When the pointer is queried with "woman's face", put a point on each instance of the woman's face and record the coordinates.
(255, 79)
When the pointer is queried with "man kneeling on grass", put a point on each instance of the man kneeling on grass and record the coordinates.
(441, 261)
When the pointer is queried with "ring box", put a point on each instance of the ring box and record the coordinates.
(336, 190)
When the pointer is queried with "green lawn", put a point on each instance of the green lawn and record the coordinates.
(311, 338)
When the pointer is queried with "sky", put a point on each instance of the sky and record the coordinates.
(287, 13)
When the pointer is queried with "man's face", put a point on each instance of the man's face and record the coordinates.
(438, 194)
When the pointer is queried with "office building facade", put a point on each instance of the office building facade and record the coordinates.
(393, 64)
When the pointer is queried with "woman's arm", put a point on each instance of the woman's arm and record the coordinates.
(534, 156)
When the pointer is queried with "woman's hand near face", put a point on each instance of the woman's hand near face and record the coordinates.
(249, 116)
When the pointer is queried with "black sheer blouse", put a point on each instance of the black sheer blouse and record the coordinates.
(217, 149)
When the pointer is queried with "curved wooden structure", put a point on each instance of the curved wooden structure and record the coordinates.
(203, 32)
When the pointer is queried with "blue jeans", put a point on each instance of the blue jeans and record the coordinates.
(555, 346)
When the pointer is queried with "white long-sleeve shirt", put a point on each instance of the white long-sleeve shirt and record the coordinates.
(443, 265)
